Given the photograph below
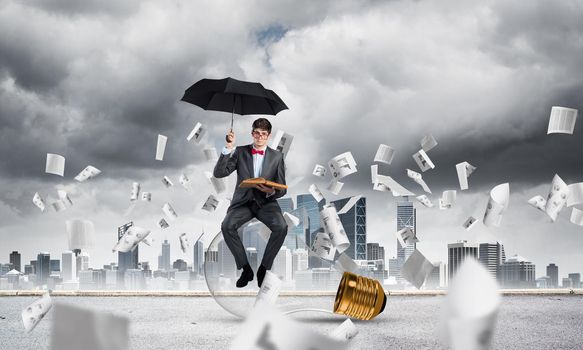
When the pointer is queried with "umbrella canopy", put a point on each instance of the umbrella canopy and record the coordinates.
(235, 96)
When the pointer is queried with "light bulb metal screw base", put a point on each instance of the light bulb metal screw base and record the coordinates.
(359, 297)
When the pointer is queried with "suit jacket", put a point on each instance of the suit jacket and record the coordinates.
(241, 160)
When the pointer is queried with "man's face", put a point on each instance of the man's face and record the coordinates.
(260, 137)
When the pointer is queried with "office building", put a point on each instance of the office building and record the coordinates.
(457, 253)
(15, 261)
(576, 278)
(128, 260)
(134, 279)
(55, 265)
(374, 251)
(438, 277)
(553, 273)
(82, 262)
(282, 265)
(312, 208)
(198, 258)
(406, 217)
(286, 204)
(180, 265)
(354, 223)
(492, 256)
(164, 258)
(296, 235)
(299, 261)
(567, 283)
(517, 272)
(69, 266)
(43, 268)
(226, 261)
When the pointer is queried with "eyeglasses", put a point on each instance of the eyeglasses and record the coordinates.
(260, 135)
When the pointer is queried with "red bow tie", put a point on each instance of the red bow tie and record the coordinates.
(256, 151)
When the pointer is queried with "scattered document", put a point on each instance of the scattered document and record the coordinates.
(418, 179)
(81, 234)
(342, 165)
(577, 216)
(210, 204)
(335, 186)
(210, 154)
(135, 191)
(184, 244)
(219, 185)
(319, 170)
(130, 239)
(282, 142)
(538, 202)
(470, 222)
(575, 194)
(269, 290)
(64, 197)
(162, 223)
(334, 228)
(58, 205)
(344, 263)
(55, 164)
(345, 332)
(316, 193)
(428, 142)
(351, 202)
(35, 312)
(557, 197)
(562, 120)
(291, 220)
(416, 269)
(169, 212)
(185, 182)
(166, 181)
(406, 236)
(423, 161)
(38, 201)
(387, 182)
(161, 147)
(374, 172)
(146, 196)
(447, 199)
(197, 133)
(323, 247)
(87, 173)
(499, 197)
(385, 154)
(464, 170)
(423, 199)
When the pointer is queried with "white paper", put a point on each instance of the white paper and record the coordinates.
(291, 220)
(38, 201)
(447, 199)
(374, 172)
(342, 165)
(464, 170)
(185, 182)
(169, 212)
(89, 172)
(269, 290)
(146, 196)
(345, 332)
(184, 244)
(418, 179)
(416, 269)
(334, 228)
(470, 222)
(499, 197)
(471, 307)
(423, 161)
(351, 202)
(166, 181)
(130, 239)
(423, 199)
(538, 202)
(64, 197)
(210, 204)
(406, 236)
(265, 328)
(58, 205)
(577, 217)
(557, 197)
(197, 133)
(323, 247)
(161, 147)
(562, 120)
(162, 223)
(385, 154)
(55, 164)
(344, 263)
(316, 193)
(385, 183)
(575, 194)
(135, 191)
(282, 142)
(81, 234)
(35, 312)
(319, 170)
(428, 142)
(335, 186)
(76, 328)
(210, 154)
(219, 185)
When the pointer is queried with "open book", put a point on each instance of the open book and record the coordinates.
(259, 180)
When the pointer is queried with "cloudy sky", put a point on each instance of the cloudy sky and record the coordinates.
(97, 81)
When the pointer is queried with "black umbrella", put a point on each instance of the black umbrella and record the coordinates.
(235, 96)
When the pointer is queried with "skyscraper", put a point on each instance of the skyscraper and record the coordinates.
(457, 253)
(227, 265)
(374, 251)
(286, 204)
(354, 223)
(43, 268)
(492, 256)
(576, 278)
(517, 272)
(69, 266)
(198, 258)
(406, 217)
(55, 265)
(282, 265)
(553, 273)
(313, 208)
(15, 261)
(127, 260)
(299, 261)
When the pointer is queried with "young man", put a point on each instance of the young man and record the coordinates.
(255, 160)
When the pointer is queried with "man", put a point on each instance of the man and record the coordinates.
(255, 160)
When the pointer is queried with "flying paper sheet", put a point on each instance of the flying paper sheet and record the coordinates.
(87, 173)
(323, 247)
(76, 328)
(334, 228)
(162, 223)
(392, 185)
(161, 147)
(406, 236)
(471, 307)
(351, 202)
(575, 194)
(64, 197)
(428, 142)
(345, 332)
(210, 154)
(291, 220)
(335, 186)
(269, 290)
(219, 185)
(464, 170)
(344, 263)
(55, 164)
(166, 181)
(562, 120)
(447, 199)
(499, 197)
(557, 197)
(265, 328)
(538, 202)
(423, 199)
(470, 222)
(135, 192)
(282, 142)
(416, 269)
(418, 179)
(319, 170)
(184, 244)
(374, 172)
(38, 201)
(185, 182)
(146, 196)
(169, 212)
(197, 133)
(210, 204)
(316, 193)
(423, 161)
(342, 165)
(35, 312)
(58, 205)
(577, 217)
(81, 234)
(385, 154)
(130, 239)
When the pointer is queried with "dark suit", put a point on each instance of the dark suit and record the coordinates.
(249, 203)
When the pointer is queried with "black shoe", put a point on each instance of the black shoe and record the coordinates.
(246, 276)
(261, 275)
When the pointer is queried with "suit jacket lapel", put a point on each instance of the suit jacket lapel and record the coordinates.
(249, 160)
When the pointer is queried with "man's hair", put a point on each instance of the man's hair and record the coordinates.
(263, 124)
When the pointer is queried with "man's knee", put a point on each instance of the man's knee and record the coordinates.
(279, 227)
(228, 226)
